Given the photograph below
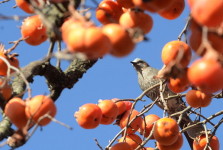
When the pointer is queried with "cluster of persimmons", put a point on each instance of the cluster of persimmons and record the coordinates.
(121, 19)
(165, 132)
(121, 23)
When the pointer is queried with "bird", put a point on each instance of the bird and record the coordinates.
(174, 103)
(147, 79)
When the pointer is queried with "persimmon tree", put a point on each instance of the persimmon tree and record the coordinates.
(179, 89)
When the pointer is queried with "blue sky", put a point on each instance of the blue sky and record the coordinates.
(109, 78)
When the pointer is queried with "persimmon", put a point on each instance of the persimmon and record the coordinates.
(108, 11)
(5, 89)
(121, 42)
(133, 19)
(90, 41)
(88, 116)
(121, 106)
(132, 139)
(166, 131)
(153, 5)
(173, 11)
(128, 105)
(121, 146)
(71, 24)
(38, 107)
(179, 84)
(135, 125)
(191, 2)
(25, 6)
(206, 74)
(15, 110)
(33, 30)
(3, 65)
(206, 12)
(201, 141)
(12, 60)
(126, 3)
(196, 98)
(175, 146)
(109, 111)
(177, 51)
(147, 125)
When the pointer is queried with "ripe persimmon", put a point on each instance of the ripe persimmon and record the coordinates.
(15, 110)
(70, 24)
(175, 146)
(135, 125)
(173, 11)
(206, 74)
(121, 146)
(33, 30)
(206, 12)
(5, 89)
(38, 107)
(201, 141)
(128, 105)
(109, 111)
(12, 60)
(153, 5)
(90, 41)
(136, 19)
(88, 116)
(108, 11)
(121, 42)
(126, 3)
(177, 51)
(179, 84)
(166, 131)
(147, 125)
(132, 139)
(121, 106)
(25, 6)
(196, 98)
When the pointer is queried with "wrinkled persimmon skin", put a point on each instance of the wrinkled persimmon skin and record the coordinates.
(206, 74)
(15, 110)
(33, 30)
(109, 111)
(135, 125)
(88, 116)
(196, 98)
(166, 131)
(132, 139)
(38, 106)
(121, 146)
(200, 143)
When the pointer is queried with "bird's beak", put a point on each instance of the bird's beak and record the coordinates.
(132, 62)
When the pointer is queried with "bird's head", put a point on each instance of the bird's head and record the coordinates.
(139, 64)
